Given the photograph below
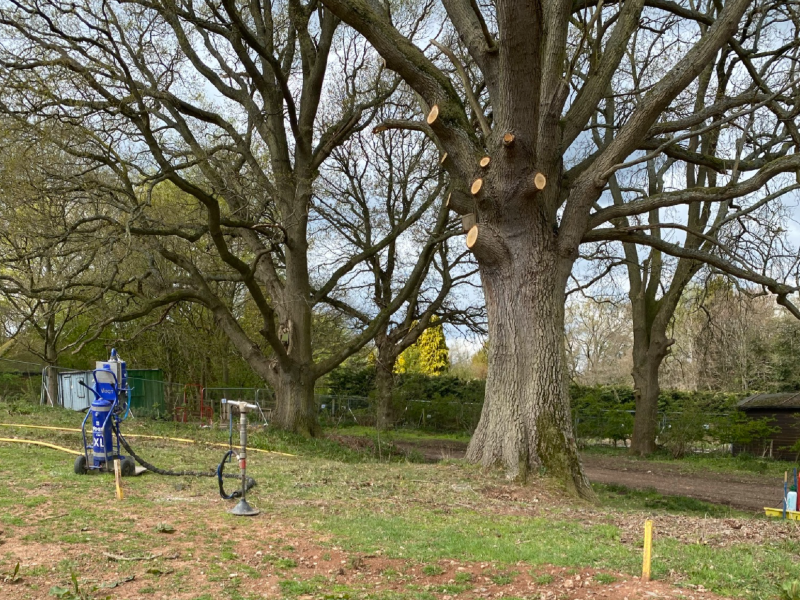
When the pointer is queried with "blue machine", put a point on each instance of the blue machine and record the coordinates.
(109, 408)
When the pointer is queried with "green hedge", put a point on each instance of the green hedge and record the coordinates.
(602, 412)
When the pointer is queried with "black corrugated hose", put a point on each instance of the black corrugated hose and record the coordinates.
(218, 473)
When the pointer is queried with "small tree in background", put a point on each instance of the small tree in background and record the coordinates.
(434, 356)
(429, 355)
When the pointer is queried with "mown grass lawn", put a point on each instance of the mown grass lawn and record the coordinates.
(323, 511)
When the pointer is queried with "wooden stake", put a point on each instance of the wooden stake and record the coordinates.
(648, 549)
(539, 181)
(485, 162)
(508, 139)
(444, 158)
(433, 115)
(118, 479)
(476, 186)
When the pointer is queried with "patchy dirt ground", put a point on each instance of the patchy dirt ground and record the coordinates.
(273, 558)
(689, 529)
(123, 549)
(746, 492)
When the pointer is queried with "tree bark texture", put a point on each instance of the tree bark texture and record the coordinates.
(51, 358)
(52, 386)
(384, 382)
(525, 424)
(646, 389)
(296, 409)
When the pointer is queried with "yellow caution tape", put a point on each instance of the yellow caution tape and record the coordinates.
(151, 437)
(38, 443)
(38, 427)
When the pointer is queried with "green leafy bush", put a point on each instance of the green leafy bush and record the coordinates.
(346, 381)
(439, 403)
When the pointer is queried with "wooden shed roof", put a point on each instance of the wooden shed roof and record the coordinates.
(789, 400)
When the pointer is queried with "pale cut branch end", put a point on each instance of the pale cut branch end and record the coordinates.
(487, 246)
(539, 181)
(476, 186)
(508, 139)
(444, 158)
(460, 203)
(485, 161)
(433, 115)
(472, 237)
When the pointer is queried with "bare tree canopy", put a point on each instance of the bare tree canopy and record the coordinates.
(195, 134)
(512, 91)
(388, 177)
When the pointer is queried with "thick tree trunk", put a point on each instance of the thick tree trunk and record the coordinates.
(646, 389)
(51, 358)
(525, 425)
(296, 409)
(384, 382)
(52, 386)
(294, 378)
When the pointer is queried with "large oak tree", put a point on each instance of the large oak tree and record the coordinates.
(510, 90)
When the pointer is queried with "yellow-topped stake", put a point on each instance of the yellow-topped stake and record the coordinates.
(648, 549)
(118, 478)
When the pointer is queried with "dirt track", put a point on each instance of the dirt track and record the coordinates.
(742, 491)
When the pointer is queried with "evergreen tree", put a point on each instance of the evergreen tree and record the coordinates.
(429, 355)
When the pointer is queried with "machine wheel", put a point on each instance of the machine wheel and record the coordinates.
(128, 467)
(80, 465)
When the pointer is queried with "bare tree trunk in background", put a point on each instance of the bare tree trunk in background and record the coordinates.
(51, 358)
(296, 409)
(384, 382)
(646, 388)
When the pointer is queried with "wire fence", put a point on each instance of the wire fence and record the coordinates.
(690, 432)
(682, 431)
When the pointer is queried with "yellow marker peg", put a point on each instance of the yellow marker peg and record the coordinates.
(118, 479)
(648, 549)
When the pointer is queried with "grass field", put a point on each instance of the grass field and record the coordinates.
(339, 523)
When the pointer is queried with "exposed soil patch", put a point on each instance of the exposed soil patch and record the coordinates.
(435, 450)
(744, 491)
(271, 557)
(689, 529)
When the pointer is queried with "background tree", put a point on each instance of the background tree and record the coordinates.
(429, 355)
(200, 131)
(598, 340)
(48, 311)
(745, 232)
(373, 184)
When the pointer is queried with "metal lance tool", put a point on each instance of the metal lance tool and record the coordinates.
(243, 508)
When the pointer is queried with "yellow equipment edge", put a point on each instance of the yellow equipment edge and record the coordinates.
(778, 512)
(135, 435)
